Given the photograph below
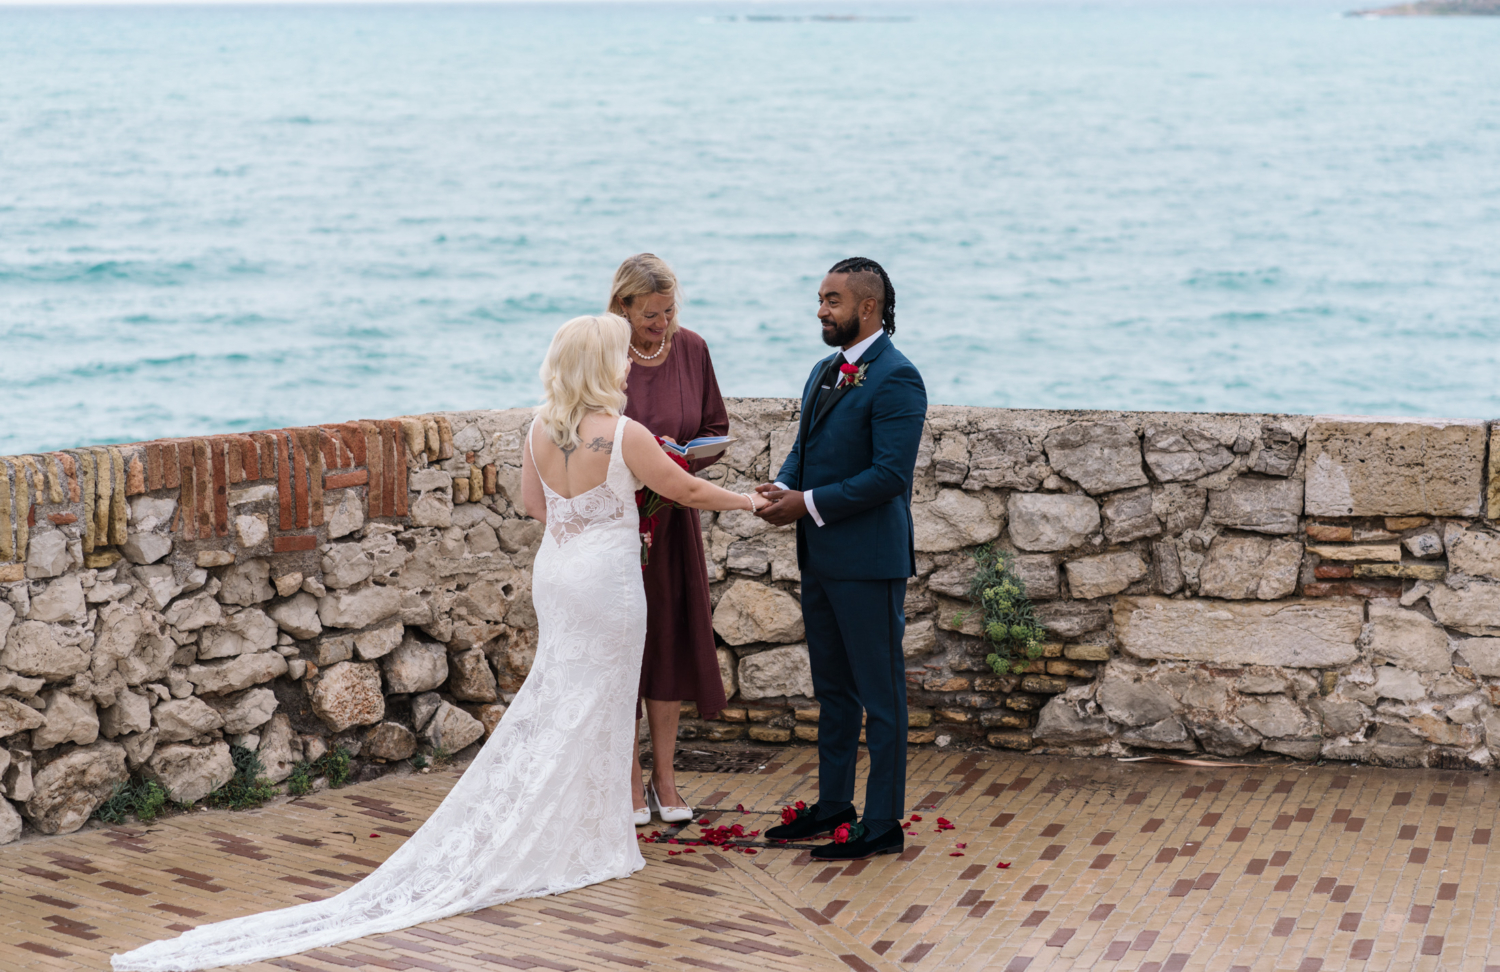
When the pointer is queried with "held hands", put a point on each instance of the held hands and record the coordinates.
(785, 505)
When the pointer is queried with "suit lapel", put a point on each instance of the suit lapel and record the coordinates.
(834, 396)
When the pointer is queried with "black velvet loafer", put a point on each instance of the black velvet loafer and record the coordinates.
(806, 824)
(858, 845)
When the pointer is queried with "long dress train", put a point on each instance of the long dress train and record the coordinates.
(546, 806)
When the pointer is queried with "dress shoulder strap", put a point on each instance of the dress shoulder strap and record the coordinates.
(621, 479)
(617, 452)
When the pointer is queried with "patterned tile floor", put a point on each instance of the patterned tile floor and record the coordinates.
(1135, 867)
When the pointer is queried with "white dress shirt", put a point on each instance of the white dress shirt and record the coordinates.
(852, 355)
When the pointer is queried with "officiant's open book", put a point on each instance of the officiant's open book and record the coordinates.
(701, 448)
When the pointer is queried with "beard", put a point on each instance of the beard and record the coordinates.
(840, 332)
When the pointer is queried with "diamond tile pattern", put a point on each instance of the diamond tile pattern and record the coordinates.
(1262, 869)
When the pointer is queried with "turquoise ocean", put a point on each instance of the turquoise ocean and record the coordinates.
(221, 218)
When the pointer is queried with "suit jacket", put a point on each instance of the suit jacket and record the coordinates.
(858, 450)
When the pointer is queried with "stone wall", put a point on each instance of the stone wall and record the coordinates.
(1319, 588)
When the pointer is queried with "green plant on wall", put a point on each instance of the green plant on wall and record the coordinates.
(247, 787)
(300, 782)
(143, 799)
(335, 765)
(1009, 625)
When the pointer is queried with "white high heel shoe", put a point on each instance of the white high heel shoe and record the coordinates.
(667, 814)
(643, 815)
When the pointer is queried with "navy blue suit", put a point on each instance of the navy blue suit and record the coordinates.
(856, 450)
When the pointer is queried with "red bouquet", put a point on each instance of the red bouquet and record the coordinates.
(649, 504)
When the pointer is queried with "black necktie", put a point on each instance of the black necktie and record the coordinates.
(829, 379)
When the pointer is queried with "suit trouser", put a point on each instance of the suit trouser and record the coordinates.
(854, 632)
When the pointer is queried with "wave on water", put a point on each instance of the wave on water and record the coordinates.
(1240, 280)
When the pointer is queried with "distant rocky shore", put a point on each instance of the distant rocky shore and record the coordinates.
(1435, 8)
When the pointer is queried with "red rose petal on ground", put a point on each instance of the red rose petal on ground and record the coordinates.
(690, 851)
(671, 853)
(374, 835)
(916, 818)
(740, 807)
(1002, 864)
(750, 850)
(961, 846)
(956, 854)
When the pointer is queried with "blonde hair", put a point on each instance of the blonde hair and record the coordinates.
(642, 275)
(584, 371)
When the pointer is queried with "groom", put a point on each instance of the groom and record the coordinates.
(847, 486)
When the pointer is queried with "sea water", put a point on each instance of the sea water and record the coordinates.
(220, 218)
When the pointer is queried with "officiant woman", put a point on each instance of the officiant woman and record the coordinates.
(673, 392)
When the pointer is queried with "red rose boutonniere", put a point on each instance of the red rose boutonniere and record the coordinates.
(649, 504)
(852, 376)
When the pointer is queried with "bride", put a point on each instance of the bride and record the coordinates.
(546, 805)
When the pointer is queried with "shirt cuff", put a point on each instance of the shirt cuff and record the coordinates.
(812, 508)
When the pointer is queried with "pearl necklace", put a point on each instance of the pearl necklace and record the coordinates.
(649, 357)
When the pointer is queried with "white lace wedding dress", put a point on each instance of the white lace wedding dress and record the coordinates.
(546, 805)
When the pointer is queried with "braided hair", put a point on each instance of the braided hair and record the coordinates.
(863, 265)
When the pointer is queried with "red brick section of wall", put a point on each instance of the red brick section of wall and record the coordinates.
(300, 462)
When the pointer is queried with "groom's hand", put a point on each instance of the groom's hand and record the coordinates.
(787, 505)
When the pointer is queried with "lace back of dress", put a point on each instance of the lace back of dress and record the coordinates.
(570, 517)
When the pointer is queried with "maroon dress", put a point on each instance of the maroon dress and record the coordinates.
(679, 398)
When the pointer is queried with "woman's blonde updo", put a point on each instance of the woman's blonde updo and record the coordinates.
(584, 371)
(641, 276)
